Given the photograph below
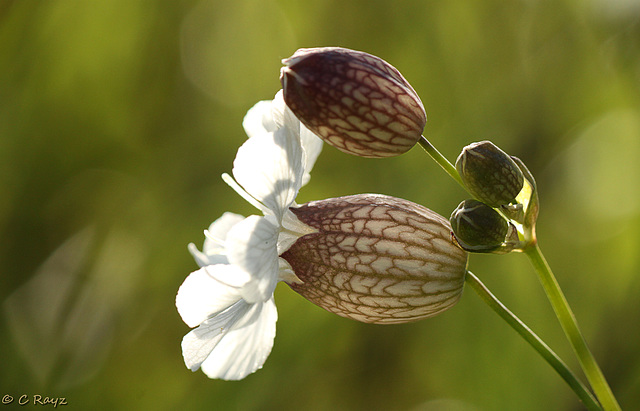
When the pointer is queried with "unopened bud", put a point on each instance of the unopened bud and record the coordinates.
(478, 227)
(354, 101)
(490, 174)
(377, 259)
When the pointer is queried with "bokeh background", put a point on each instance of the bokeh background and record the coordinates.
(118, 117)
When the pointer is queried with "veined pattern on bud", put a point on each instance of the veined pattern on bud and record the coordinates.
(353, 100)
(490, 174)
(377, 259)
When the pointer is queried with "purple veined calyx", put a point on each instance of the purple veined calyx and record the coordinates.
(377, 259)
(353, 100)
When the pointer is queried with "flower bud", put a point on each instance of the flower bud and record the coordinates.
(354, 101)
(490, 174)
(478, 227)
(377, 259)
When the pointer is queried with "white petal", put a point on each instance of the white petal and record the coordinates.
(286, 273)
(312, 146)
(270, 168)
(294, 229)
(259, 119)
(246, 346)
(213, 250)
(198, 344)
(201, 258)
(252, 246)
(233, 276)
(285, 240)
(217, 233)
(278, 109)
(311, 143)
(204, 260)
(201, 295)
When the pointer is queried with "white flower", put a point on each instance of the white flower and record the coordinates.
(230, 298)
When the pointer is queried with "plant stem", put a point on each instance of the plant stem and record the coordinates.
(572, 331)
(540, 346)
(554, 294)
(440, 159)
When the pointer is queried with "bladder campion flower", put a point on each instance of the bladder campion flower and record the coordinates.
(377, 259)
(354, 101)
(369, 257)
(230, 298)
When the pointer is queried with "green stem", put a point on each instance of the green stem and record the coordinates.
(572, 331)
(556, 297)
(440, 159)
(540, 346)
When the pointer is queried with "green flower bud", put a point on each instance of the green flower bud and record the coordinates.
(354, 101)
(377, 259)
(478, 227)
(490, 174)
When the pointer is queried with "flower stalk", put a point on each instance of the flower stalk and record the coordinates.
(532, 338)
(551, 287)
(572, 331)
(441, 160)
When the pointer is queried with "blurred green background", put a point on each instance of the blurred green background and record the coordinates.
(118, 117)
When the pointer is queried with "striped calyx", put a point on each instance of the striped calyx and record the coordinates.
(377, 259)
(490, 174)
(354, 101)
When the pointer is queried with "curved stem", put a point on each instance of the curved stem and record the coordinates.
(440, 159)
(572, 331)
(540, 346)
(555, 295)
